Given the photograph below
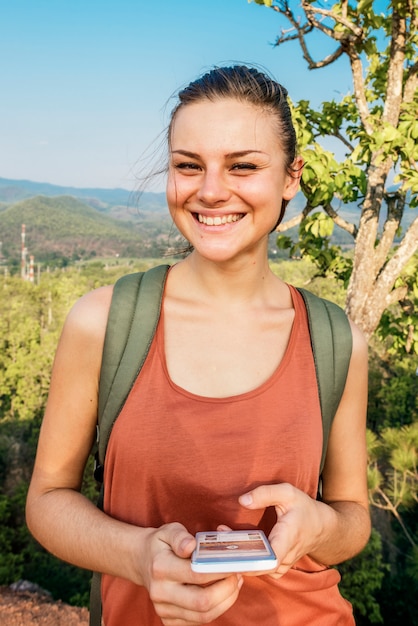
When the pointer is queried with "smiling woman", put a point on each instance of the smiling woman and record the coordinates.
(227, 176)
(222, 427)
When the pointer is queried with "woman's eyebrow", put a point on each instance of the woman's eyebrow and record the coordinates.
(186, 153)
(242, 153)
(229, 155)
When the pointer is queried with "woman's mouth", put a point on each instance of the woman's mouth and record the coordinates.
(218, 220)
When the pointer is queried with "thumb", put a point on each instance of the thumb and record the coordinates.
(223, 528)
(180, 540)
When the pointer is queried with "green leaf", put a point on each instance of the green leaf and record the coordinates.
(363, 4)
(284, 242)
(374, 477)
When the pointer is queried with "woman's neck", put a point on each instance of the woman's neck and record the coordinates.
(242, 282)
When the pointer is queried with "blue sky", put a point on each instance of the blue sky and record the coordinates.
(85, 83)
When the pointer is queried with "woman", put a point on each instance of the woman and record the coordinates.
(222, 428)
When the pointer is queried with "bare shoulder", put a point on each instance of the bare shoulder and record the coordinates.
(89, 314)
(80, 346)
(360, 346)
(355, 390)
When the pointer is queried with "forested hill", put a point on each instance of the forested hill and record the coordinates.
(63, 227)
(120, 202)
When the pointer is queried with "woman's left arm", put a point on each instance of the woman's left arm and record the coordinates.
(338, 527)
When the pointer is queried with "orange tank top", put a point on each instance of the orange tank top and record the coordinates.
(174, 456)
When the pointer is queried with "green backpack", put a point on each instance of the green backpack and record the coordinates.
(133, 318)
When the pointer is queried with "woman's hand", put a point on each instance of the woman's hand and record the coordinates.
(180, 596)
(301, 522)
(338, 527)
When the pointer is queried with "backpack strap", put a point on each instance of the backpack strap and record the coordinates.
(331, 341)
(133, 318)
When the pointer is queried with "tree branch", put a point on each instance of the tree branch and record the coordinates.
(395, 73)
(340, 221)
(359, 90)
(345, 141)
(404, 252)
(396, 205)
(300, 33)
(295, 221)
(346, 46)
(411, 83)
(408, 348)
(396, 295)
(357, 31)
(388, 506)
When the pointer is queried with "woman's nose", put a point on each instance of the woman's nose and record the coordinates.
(213, 188)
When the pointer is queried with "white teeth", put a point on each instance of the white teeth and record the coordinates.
(217, 221)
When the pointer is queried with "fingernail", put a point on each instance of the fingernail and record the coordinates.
(246, 499)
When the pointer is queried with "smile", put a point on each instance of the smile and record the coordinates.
(218, 220)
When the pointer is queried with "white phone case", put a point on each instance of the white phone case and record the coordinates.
(233, 551)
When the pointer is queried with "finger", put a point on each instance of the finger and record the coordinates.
(168, 567)
(279, 572)
(288, 542)
(192, 604)
(222, 528)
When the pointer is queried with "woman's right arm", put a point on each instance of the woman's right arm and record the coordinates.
(70, 526)
(60, 518)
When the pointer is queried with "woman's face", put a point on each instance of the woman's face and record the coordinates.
(227, 177)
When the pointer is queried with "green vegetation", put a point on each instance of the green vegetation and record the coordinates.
(31, 318)
(62, 230)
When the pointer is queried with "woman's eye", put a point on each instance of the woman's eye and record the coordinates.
(244, 166)
(187, 166)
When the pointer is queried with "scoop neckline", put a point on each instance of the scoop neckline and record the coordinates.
(246, 394)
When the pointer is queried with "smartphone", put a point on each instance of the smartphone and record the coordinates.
(233, 551)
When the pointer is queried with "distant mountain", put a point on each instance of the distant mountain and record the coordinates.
(63, 227)
(118, 202)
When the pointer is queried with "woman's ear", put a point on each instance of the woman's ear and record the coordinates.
(293, 178)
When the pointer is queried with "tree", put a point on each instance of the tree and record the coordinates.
(393, 481)
(377, 126)
(362, 579)
(393, 472)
